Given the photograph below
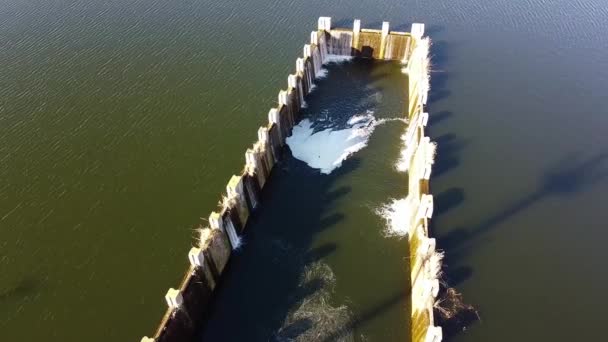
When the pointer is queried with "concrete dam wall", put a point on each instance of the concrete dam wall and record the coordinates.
(187, 304)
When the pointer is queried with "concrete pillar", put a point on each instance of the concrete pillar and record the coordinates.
(263, 136)
(423, 293)
(424, 119)
(235, 190)
(264, 161)
(306, 52)
(314, 38)
(323, 45)
(356, 31)
(284, 101)
(274, 141)
(385, 28)
(414, 229)
(292, 100)
(274, 119)
(429, 160)
(217, 221)
(309, 64)
(174, 298)
(426, 175)
(264, 140)
(305, 86)
(434, 334)
(296, 88)
(309, 72)
(207, 274)
(417, 30)
(263, 148)
(253, 166)
(196, 257)
(317, 56)
(316, 61)
(231, 229)
(324, 28)
(426, 247)
(252, 190)
(324, 24)
(425, 210)
(215, 248)
(300, 66)
(286, 120)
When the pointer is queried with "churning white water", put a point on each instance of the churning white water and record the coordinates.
(327, 149)
(398, 215)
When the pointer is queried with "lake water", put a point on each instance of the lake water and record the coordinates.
(122, 121)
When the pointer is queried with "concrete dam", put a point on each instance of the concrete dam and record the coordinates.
(188, 303)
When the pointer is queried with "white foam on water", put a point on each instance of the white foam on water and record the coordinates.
(405, 156)
(398, 216)
(327, 149)
(238, 243)
(426, 65)
(337, 59)
(321, 74)
(407, 150)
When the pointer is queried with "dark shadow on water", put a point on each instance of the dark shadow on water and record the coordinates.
(263, 282)
(352, 325)
(439, 73)
(320, 252)
(568, 177)
(455, 276)
(447, 200)
(439, 117)
(449, 148)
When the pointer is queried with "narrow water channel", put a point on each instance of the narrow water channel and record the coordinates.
(316, 263)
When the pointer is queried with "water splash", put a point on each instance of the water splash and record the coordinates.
(425, 84)
(327, 149)
(336, 59)
(340, 43)
(329, 59)
(321, 74)
(407, 150)
(238, 243)
(398, 214)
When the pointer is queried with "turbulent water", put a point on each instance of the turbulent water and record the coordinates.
(398, 214)
(328, 148)
(324, 146)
